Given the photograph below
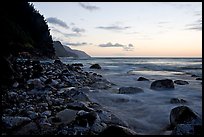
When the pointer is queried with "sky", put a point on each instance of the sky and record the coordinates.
(129, 29)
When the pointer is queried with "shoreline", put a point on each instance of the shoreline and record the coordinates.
(52, 99)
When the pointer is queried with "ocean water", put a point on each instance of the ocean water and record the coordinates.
(146, 113)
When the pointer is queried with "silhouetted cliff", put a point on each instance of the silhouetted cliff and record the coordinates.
(25, 33)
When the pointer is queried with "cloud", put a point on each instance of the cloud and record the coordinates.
(128, 47)
(197, 25)
(66, 34)
(87, 6)
(76, 44)
(57, 21)
(113, 27)
(78, 30)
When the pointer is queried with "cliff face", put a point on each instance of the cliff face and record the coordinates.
(60, 50)
(25, 30)
(65, 51)
(25, 33)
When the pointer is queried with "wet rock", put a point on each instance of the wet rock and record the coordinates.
(80, 96)
(115, 130)
(89, 118)
(77, 64)
(14, 121)
(177, 100)
(32, 114)
(46, 113)
(142, 79)
(78, 105)
(199, 78)
(130, 90)
(101, 85)
(95, 66)
(67, 115)
(181, 82)
(29, 129)
(37, 83)
(183, 115)
(193, 75)
(162, 84)
(187, 129)
(98, 127)
(58, 61)
(108, 118)
(15, 84)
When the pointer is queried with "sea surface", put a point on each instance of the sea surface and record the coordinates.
(148, 112)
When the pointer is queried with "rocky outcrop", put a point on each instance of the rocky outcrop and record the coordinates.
(163, 84)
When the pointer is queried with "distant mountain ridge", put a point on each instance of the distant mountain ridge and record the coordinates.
(65, 51)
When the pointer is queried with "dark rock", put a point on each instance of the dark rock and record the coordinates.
(193, 75)
(162, 84)
(11, 122)
(77, 64)
(95, 66)
(78, 105)
(142, 79)
(183, 115)
(67, 115)
(181, 82)
(29, 129)
(90, 117)
(115, 130)
(130, 90)
(58, 61)
(187, 129)
(177, 100)
(199, 78)
(32, 114)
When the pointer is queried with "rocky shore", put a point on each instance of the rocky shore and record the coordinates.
(50, 98)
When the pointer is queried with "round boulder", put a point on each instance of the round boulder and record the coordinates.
(183, 115)
(95, 66)
(162, 84)
(181, 82)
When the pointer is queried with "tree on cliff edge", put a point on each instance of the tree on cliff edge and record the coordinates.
(24, 31)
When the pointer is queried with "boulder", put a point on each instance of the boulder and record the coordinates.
(187, 129)
(181, 82)
(115, 130)
(162, 84)
(183, 115)
(58, 61)
(199, 78)
(95, 66)
(67, 115)
(29, 129)
(130, 90)
(142, 79)
(14, 121)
